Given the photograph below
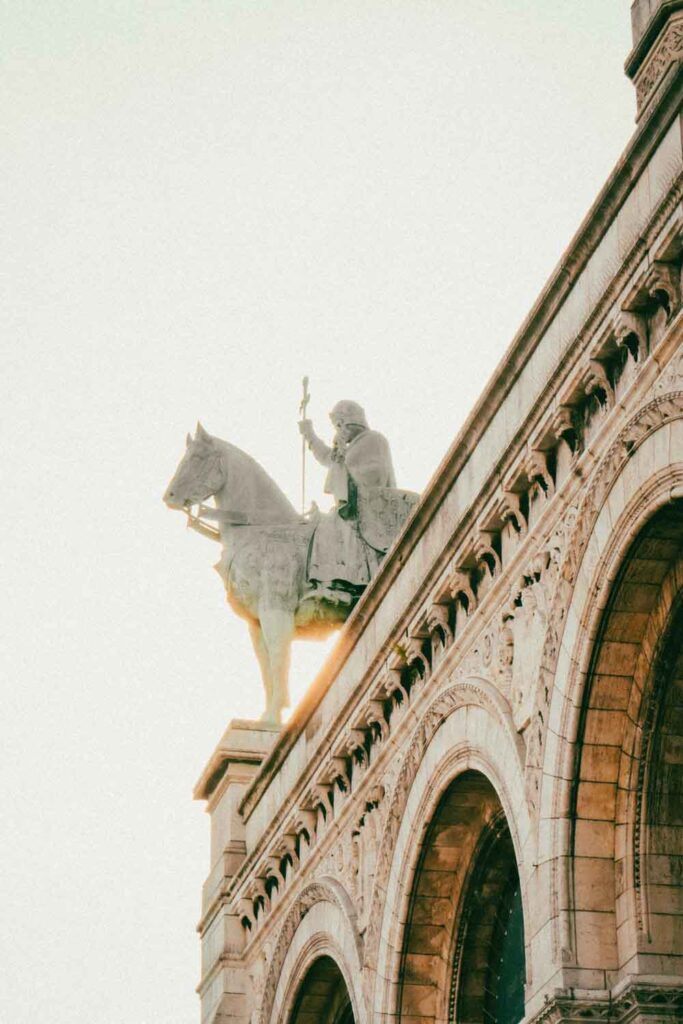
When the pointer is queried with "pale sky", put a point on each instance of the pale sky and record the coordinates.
(202, 202)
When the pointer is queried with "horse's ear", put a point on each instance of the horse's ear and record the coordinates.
(202, 437)
(188, 440)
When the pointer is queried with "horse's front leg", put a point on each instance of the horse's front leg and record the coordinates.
(262, 656)
(277, 628)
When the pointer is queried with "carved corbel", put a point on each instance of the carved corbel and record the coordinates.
(245, 912)
(512, 511)
(273, 870)
(321, 796)
(486, 553)
(438, 622)
(338, 771)
(599, 384)
(306, 821)
(415, 654)
(460, 585)
(393, 681)
(663, 285)
(354, 744)
(563, 427)
(538, 472)
(259, 894)
(630, 332)
(375, 718)
(288, 847)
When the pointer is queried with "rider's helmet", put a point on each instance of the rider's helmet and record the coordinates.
(350, 413)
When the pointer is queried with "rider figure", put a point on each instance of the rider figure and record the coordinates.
(358, 458)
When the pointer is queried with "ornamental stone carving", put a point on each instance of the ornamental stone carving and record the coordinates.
(655, 414)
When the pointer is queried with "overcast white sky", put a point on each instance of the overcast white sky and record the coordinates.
(203, 201)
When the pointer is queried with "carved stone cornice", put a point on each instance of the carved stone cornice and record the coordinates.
(637, 1003)
(666, 50)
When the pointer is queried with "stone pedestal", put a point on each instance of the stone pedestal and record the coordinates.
(234, 763)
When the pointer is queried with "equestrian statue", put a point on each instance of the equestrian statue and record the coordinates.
(292, 575)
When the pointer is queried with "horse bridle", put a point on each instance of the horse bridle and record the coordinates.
(196, 520)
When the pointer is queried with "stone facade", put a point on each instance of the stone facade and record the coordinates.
(476, 812)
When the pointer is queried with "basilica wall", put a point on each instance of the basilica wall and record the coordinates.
(476, 812)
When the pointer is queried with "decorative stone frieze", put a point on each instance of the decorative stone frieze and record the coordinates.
(667, 50)
(636, 1004)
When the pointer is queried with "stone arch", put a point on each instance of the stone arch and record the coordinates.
(320, 924)
(619, 474)
(629, 734)
(463, 943)
(468, 728)
(635, 480)
(322, 996)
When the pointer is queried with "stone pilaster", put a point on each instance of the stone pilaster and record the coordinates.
(224, 984)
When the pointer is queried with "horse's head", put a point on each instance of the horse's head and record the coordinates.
(200, 473)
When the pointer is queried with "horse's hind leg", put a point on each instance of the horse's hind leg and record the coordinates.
(277, 627)
(261, 651)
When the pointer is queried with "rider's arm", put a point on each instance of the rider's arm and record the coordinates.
(320, 450)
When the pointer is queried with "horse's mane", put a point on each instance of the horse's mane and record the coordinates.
(252, 490)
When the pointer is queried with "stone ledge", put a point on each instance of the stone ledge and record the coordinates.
(634, 1000)
(243, 742)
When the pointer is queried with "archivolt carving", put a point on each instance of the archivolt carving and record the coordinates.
(655, 414)
(317, 892)
(672, 377)
(456, 697)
